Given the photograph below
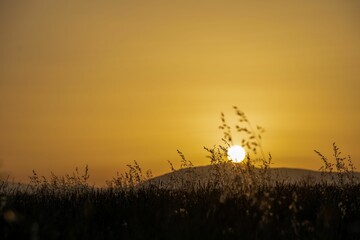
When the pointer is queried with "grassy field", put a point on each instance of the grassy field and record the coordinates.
(236, 201)
(281, 211)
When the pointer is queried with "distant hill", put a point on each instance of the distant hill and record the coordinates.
(202, 174)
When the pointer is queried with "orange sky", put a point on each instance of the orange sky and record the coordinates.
(108, 82)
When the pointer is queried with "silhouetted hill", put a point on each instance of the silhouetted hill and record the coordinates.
(202, 174)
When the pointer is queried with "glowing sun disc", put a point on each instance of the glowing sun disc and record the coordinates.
(236, 153)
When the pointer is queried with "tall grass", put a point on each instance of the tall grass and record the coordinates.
(340, 171)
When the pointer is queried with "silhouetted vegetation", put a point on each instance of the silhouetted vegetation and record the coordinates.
(237, 201)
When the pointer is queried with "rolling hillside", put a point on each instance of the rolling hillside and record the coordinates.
(202, 174)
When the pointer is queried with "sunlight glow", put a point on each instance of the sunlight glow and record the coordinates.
(236, 153)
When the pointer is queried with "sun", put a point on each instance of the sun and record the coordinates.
(236, 153)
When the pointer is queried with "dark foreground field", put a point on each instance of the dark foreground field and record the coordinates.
(282, 211)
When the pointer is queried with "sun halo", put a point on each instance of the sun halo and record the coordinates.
(236, 153)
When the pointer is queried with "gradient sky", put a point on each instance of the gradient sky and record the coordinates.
(108, 82)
